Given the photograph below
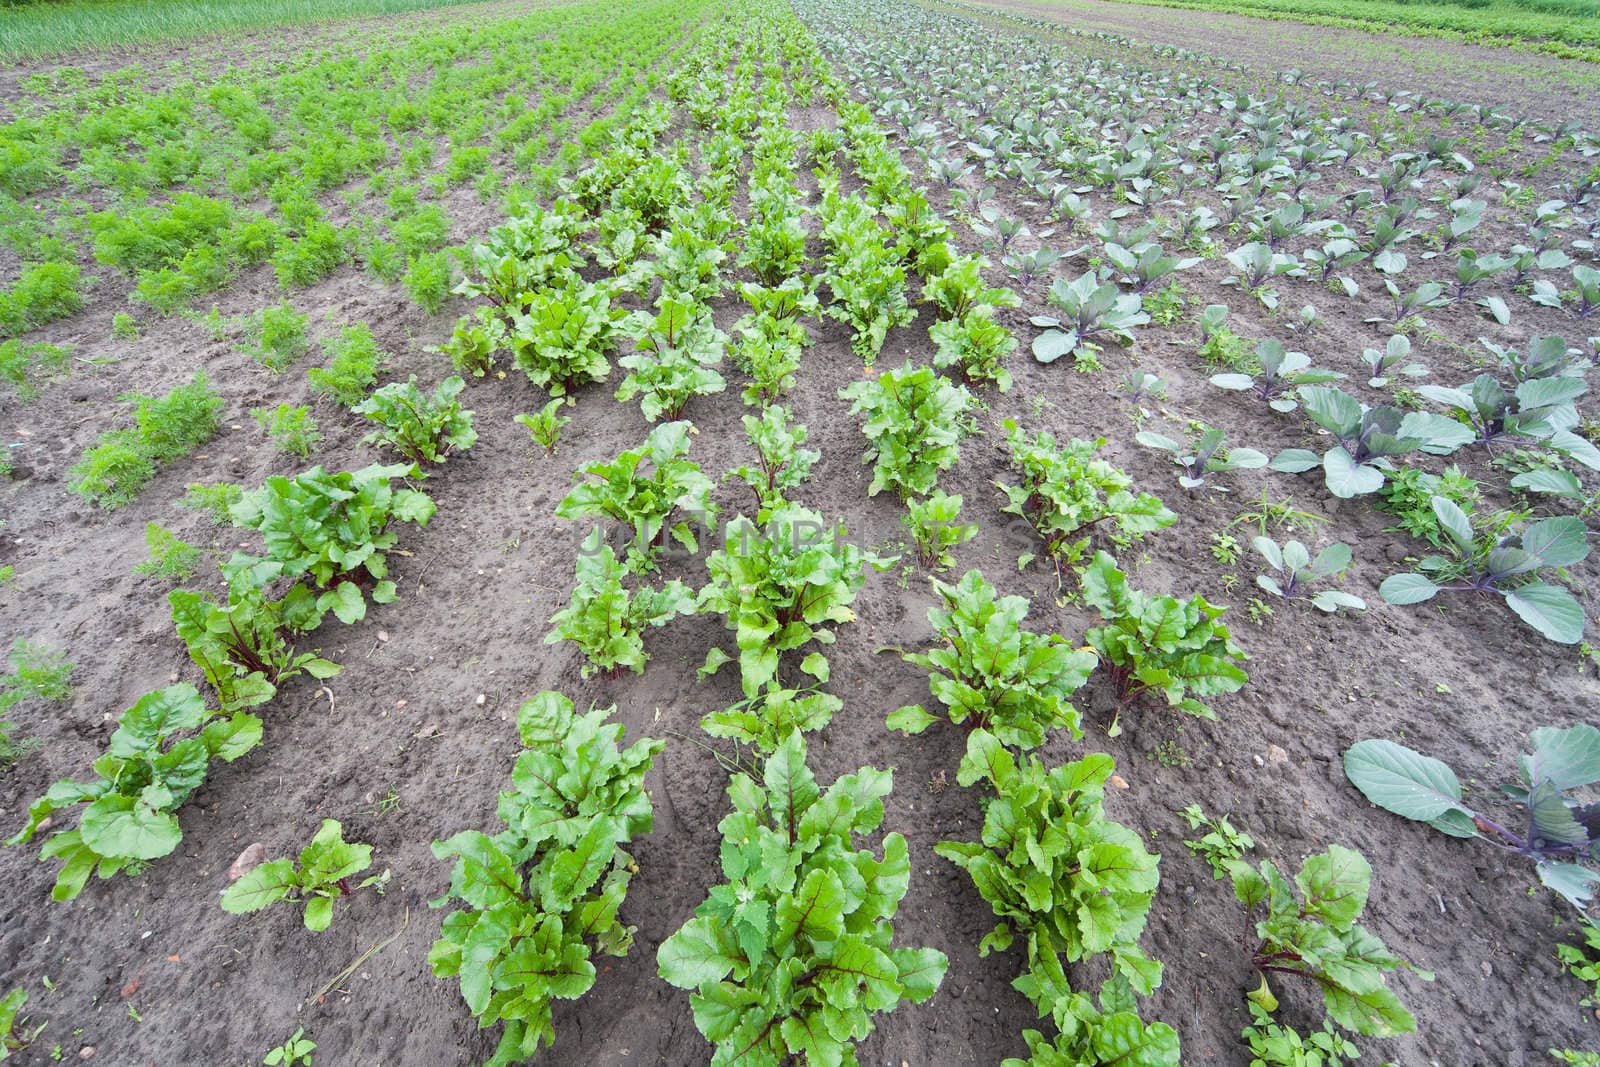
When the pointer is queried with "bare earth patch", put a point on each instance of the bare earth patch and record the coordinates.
(1542, 87)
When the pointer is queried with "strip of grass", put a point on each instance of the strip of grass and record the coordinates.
(1566, 28)
(52, 27)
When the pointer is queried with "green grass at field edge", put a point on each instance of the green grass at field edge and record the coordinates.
(47, 29)
(1574, 38)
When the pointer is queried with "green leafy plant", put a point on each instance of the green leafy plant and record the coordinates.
(992, 674)
(1166, 306)
(866, 277)
(1269, 514)
(1089, 308)
(605, 620)
(276, 337)
(1365, 439)
(1060, 875)
(423, 428)
(793, 955)
(563, 340)
(14, 1035)
(541, 896)
(36, 674)
(215, 499)
(1408, 496)
(145, 775)
(166, 429)
(1271, 1044)
(427, 281)
(976, 344)
(292, 429)
(1280, 373)
(247, 645)
(1576, 961)
(326, 866)
(171, 557)
(914, 424)
(533, 249)
(1221, 842)
(1219, 346)
(11, 749)
(26, 364)
(112, 473)
(782, 465)
(1225, 548)
(1099, 1035)
(475, 342)
(296, 1050)
(1498, 561)
(646, 488)
(1068, 494)
(775, 242)
(1158, 644)
(1297, 570)
(771, 337)
(1314, 934)
(354, 360)
(933, 526)
(336, 529)
(1393, 354)
(43, 293)
(675, 351)
(766, 719)
(778, 588)
(690, 254)
(1204, 457)
(1558, 482)
(546, 426)
(960, 288)
(1559, 832)
(311, 257)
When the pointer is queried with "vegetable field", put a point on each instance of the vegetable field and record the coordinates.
(809, 532)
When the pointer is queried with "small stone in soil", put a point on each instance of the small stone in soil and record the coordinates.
(248, 860)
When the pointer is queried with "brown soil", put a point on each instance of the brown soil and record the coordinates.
(426, 706)
(1542, 87)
